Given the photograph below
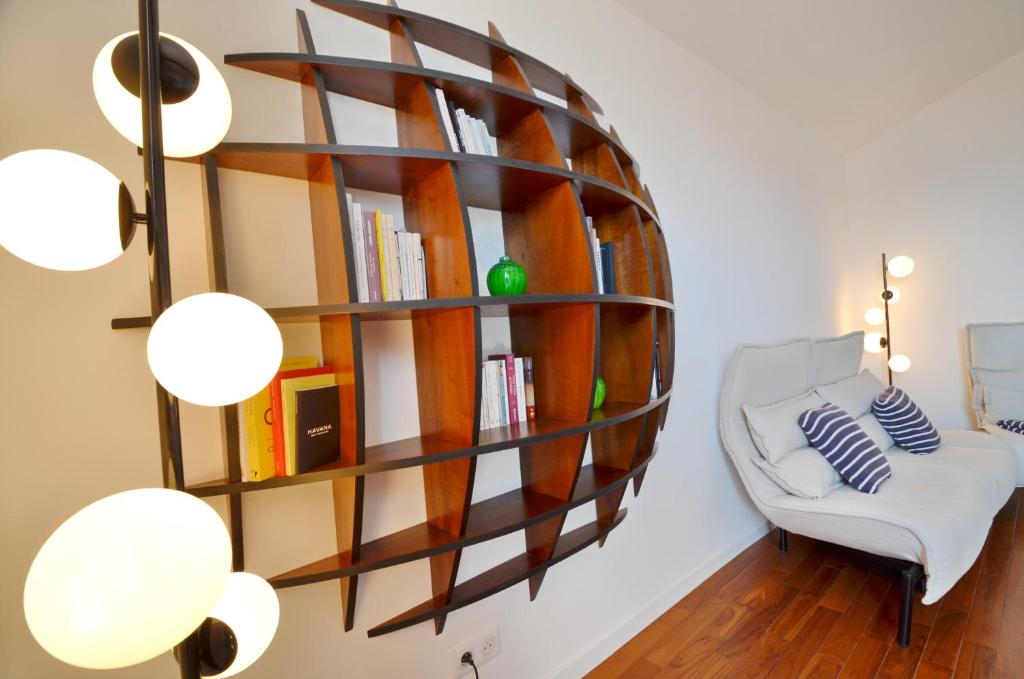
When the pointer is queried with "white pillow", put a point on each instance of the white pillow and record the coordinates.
(875, 431)
(774, 428)
(854, 394)
(803, 472)
(1003, 404)
(1003, 379)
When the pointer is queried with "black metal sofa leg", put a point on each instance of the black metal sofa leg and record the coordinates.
(783, 540)
(910, 577)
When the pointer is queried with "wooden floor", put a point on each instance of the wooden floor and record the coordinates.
(818, 611)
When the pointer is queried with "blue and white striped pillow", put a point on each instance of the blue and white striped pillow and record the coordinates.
(907, 425)
(846, 446)
(1016, 426)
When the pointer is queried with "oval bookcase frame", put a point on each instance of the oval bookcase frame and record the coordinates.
(573, 333)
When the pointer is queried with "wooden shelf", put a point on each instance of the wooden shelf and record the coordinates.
(388, 84)
(573, 334)
(419, 450)
(489, 519)
(490, 306)
(463, 43)
(488, 182)
(500, 577)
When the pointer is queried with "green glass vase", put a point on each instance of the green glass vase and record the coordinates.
(599, 393)
(506, 278)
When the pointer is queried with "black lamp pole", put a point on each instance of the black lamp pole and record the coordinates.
(886, 296)
(159, 264)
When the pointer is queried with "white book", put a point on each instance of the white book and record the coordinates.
(503, 393)
(481, 135)
(488, 394)
(496, 392)
(417, 268)
(467, 132)
(405, 251)
(446, 118)
(423, 272)
(359, 246)
(597, 262)
(520, 390)
(484, 414)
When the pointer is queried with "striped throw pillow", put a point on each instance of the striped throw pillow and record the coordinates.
(907, 425)
(846, 446)
(1016, 426)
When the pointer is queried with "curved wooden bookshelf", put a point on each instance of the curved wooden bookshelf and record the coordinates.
(386, 83)
(556, 170)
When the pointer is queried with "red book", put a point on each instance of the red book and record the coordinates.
(512, 390)
(277, 414)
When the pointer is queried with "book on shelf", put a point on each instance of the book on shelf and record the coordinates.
(531, 408)
(595, 246)
(608, 268)
(355, 215)
(258, 461)
(372, 262)
(277, 412)
(446, 118)
(390, 263)
(506, 391)
(317, 427)
(289, 388)
(472, 134)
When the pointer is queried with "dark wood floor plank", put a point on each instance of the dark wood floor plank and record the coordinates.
(853, 624)
(865, 660)
(800, 650)
(975, 662)
(945, 639)
(986, 614)
(901, 663)
(846, 587)
(928, 670)
(1010, 652)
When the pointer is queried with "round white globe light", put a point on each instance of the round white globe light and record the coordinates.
(191, 127)
(126, 578)
(900, 267)
(899, 363)
(896, 295)
(250, 608)
(873, 342)
(214, 349)
(874, 316)
(79, 231)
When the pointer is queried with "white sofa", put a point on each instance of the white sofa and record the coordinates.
(995, 349)
(936, 509)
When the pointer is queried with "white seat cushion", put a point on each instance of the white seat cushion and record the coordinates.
(935, 510)
(1014, 441)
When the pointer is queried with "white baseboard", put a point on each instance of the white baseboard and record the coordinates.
(591, 656)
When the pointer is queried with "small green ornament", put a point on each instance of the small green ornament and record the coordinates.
(506, 278)
(599, 393)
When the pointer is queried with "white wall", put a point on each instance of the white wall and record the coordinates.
(947, 188)
(752, 213)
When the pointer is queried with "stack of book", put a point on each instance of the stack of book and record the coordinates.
(390, 264)
(293, 425)
(465, 133)
(604, 261)
(507, 391)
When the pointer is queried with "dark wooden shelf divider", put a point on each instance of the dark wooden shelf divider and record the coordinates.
(501, 577)
(556, 166)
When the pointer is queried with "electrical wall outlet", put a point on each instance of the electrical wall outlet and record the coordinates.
(484, 647)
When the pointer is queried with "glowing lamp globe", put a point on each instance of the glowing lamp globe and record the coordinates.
(62, 211)
(214, 349)
(896, 295)
(126, 578)
(250, 608)
(873, 342)
(874, 316)
(900, 267)
(193, 123)
(899, 363)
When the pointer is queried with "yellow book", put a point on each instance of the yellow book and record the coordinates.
(381, 256)
(288, 389)
(258, 429)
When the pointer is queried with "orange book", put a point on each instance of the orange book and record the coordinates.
(277, 413)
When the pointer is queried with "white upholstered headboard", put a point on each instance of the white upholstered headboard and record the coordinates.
(762, 375)
(992, 346)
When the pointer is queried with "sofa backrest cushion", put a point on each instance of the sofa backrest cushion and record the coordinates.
(906, 423)
(846, 446)
(774, 427)
(1002, 404)
(853, 394)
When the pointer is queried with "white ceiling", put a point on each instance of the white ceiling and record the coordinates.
(847, 70)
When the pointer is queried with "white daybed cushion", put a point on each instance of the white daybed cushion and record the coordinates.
(1001, 379)
(1002, 404)
(804, 473)
(774, 427)
(853, 394)
(935, 510)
